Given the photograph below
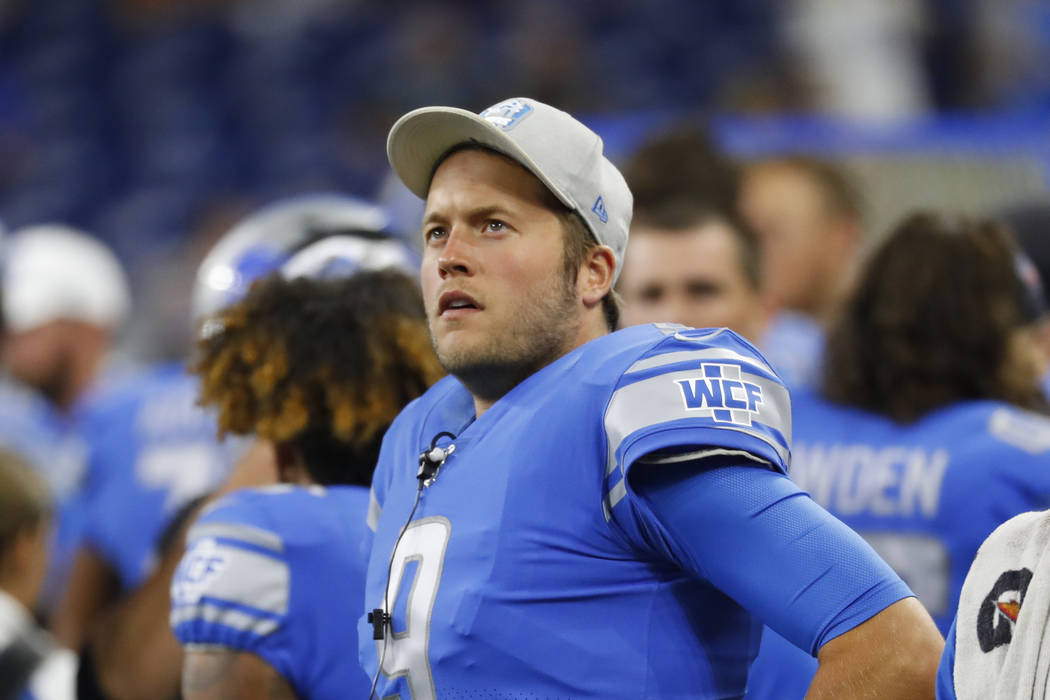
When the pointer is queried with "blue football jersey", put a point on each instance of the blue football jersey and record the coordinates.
(946, 669)
(279, 572)
(152, 450)
(781, 671)
(51, 444)
(526, 570)
(794, 345)
(928, 493)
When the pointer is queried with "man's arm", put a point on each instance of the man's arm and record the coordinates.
(135, 654)
(798, 569)
(222, 674)
(92, 585)
(892, 655)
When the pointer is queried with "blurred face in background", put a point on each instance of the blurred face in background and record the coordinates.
(807, 249)
(693, 276)
(41, 357)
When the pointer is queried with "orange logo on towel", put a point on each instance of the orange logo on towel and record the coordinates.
(1009, 608)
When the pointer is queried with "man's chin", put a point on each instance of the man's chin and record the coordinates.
(460, 358)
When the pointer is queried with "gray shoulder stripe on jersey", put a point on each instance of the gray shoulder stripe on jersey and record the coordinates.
(374, 511)
(238, 576)
(704, 355)
(668, 328)
(227, 617)
(237, 531)
(1021, 430)
(693, 455)
(659, 399)
(614, 496)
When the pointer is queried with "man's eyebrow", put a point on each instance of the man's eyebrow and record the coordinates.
(431, 217)
(490, 211)
(484, 212)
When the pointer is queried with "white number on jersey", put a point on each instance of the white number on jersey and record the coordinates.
(406, 652)
(184, 471)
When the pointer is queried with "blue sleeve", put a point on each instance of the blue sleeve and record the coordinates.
(762, 541)
(232, 589)
(946, 671)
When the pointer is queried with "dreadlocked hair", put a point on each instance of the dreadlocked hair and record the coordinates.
(324, 365)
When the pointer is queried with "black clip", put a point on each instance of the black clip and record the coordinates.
(379, 619)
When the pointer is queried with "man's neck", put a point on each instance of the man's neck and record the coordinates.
(585, 334)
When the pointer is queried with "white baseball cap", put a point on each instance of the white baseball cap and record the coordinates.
(564, 154)
(53, 272)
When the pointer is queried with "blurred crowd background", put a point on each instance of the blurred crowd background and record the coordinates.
(154, 124)
(769, 145)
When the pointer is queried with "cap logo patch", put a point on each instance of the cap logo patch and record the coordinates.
(599, 209)
(507, 115)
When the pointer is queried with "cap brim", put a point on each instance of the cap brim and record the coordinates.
(419, 139)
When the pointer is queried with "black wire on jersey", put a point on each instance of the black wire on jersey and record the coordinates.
(380, 618)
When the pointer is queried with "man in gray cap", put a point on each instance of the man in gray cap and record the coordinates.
(577, 513)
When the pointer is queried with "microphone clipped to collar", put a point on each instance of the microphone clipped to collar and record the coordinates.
(430, 462)
(432, 459)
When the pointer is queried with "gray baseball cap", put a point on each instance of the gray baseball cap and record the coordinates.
(564, 154)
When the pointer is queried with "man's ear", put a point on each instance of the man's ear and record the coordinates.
(595, 277)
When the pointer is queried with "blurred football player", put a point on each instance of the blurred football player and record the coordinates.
(264, 599)
(931, 428)
(807, 214)
(32, 667)
(690, 265)
(586, 514)
(64, 298)
(154, 452)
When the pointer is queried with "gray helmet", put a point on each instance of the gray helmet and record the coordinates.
(316, 235)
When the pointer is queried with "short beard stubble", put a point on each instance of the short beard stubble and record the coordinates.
(539, 335)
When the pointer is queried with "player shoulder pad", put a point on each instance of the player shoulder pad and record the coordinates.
(699, 388)
(233, 582)
(1026, 431)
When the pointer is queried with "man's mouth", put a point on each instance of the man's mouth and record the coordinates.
(457, 303)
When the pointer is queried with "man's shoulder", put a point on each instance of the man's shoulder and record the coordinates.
(649, 349)
(1007, 426)
(273, 514)
(245, 549)
(155, 399)
(686, 387)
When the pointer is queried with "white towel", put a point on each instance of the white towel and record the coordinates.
(1002, 649)
(51, 672)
